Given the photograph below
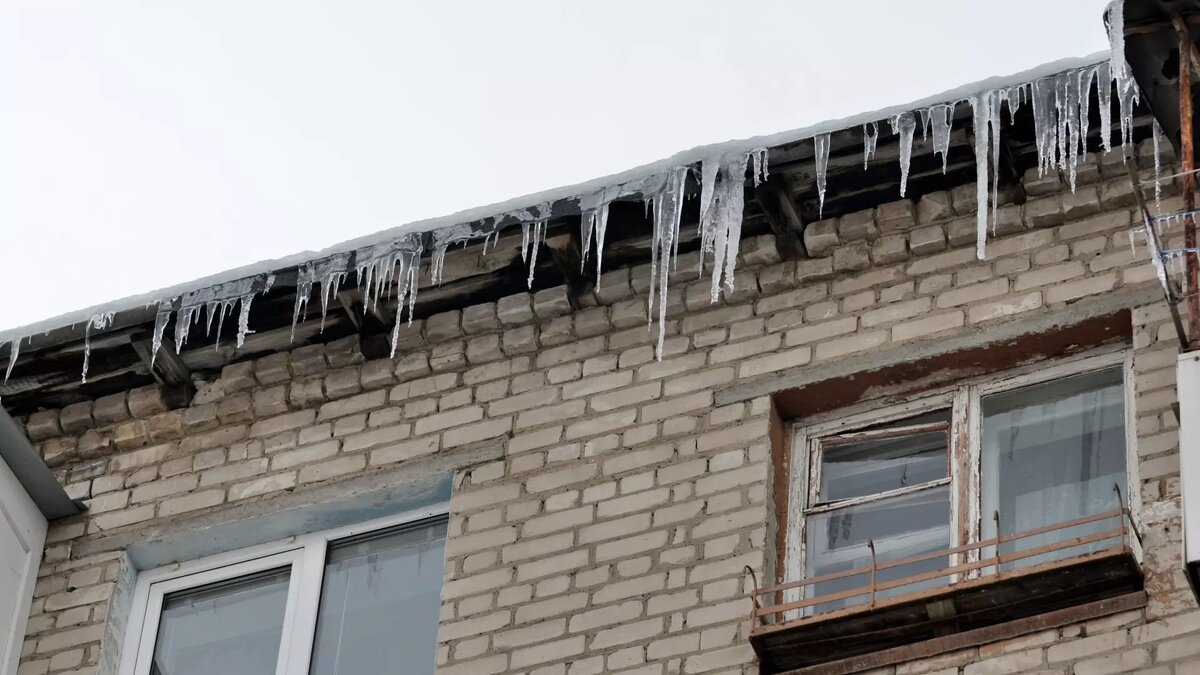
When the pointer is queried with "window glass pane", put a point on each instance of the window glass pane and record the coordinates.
(380, 603)
(900, 526)
(1051, 453)
(858, 468)
(228, 627)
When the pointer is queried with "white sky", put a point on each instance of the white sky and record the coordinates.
(143, 144)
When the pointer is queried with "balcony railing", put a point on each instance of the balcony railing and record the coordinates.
(985, 583)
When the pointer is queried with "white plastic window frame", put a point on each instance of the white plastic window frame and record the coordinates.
(305, 555)
(963, 401)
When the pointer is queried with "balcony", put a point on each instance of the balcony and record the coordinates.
(989, 590)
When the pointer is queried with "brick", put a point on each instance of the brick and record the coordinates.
(444, 326)
(821, 237)
(857, 226)
(237, 377)
(927, 326)
(1003, 307)
(344, 352)
(973, 293)
(551, 302)
(76, 417)
(332, 468)
(515, 310)
(273, 369)
(1049, 275)
(472, 433)
(111, 409)
(852, 257)
(193, 502)
(42, 425)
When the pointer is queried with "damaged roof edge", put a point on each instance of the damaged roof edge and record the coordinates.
(145, 301)
(32, 473)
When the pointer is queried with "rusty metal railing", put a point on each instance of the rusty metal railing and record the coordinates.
(771, 608)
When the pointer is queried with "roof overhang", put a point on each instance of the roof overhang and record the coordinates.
(32, 473)
(1152, 52)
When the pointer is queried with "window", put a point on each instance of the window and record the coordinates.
(355, 600)
(968, 482)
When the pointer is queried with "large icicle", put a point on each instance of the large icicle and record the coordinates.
(904, 125)
(1115, 16)
(161, 318)
(821, 155)
(539, 236)
(1155, 133)
(668, 209)
(99, 322)
(594, 221)
(985, 118)
(941, 120)
(14, 350)
(726, 225)
(870, 139)
(1104, 100)
(759, 157)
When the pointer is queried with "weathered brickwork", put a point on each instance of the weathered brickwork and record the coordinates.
(613, 534)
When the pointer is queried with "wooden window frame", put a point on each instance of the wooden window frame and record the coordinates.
(963, 400)
(305, 555)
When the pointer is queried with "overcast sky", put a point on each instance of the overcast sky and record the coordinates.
(143, 144)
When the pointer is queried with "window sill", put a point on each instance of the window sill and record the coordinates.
(963, 613)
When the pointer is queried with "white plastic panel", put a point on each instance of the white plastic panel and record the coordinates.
(1189, 458)
(22, 534)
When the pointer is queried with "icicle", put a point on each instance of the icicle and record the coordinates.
(99, 322)
(1104, 100)
(870, 138)
(760, 165)
(1084, 95)
(709, 168)
(443, 239)
(1012, 96)
(524, 242)
(1127, 99)
(904, 125)
(821, 155)
(941, 118)
(600, 229)
(926, 120)
(244, 319)
(587, 223)
(668, 209)
(721, 231)
(594, 223)
(539, 236)
(1155, 132)
(1115, 15)
(14, 350)
(733, 200)
(986, 122)
(1045, 124)
(161, 318)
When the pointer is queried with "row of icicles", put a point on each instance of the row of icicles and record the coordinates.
(1060, 112)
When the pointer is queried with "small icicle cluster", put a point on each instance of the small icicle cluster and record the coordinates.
(394, 266)
(215, 302)
(1060, 114)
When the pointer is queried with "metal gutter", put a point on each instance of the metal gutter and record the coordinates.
(32, 473)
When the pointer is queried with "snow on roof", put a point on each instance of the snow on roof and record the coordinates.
(571, 192)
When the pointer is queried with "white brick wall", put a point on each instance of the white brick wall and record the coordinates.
(613, 534)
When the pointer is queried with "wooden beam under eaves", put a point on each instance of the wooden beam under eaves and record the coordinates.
(783, 216)
(167, 367)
